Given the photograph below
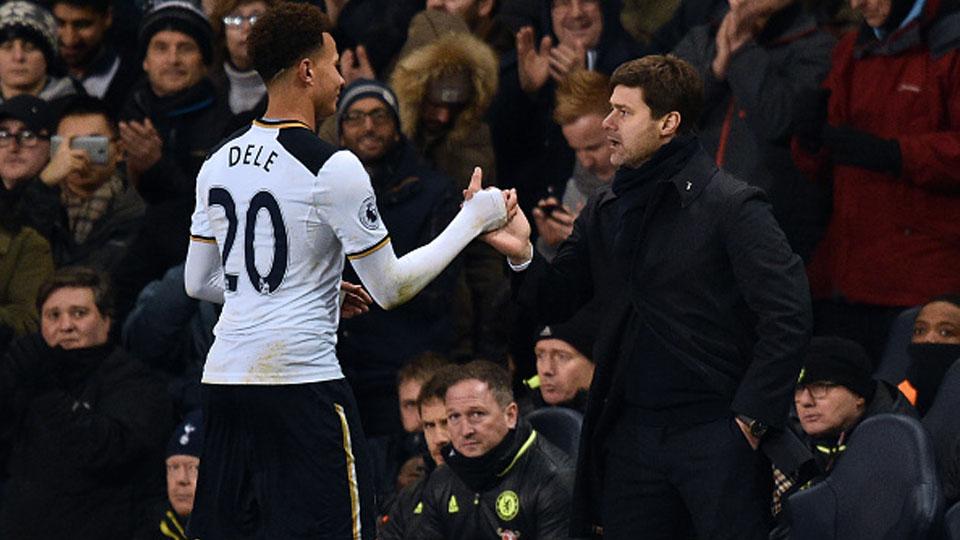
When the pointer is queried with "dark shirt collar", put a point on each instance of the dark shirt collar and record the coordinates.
(696, 172)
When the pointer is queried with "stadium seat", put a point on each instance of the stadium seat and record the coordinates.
(885, 486)
(559, 425)
(942, 421)
(952, 523)
(895, 360)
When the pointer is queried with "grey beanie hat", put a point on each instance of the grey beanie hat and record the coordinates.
(30, 21)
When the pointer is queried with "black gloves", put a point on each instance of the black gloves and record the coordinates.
(851, 146)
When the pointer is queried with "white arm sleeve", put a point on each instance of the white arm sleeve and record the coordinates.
(347, 201)
(203, 274)
(392, 281)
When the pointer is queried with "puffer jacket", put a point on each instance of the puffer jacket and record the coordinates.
(527, 496)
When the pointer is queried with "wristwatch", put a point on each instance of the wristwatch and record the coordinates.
(757, 428)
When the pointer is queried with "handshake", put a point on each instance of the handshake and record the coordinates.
(500, 220)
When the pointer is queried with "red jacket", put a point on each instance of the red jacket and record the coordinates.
(892, 240)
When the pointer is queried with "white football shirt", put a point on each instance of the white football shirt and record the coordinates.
(284, 208)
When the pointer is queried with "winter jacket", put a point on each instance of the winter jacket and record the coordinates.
(406, 512)
(455, 153)
(88, 429)
(111, 75)
(164, 524)
(25, 263)
(526, 497)
(893, 239)
(468, 143)
(34, 204)
(749, 117)
(711, 277)
(108, 241)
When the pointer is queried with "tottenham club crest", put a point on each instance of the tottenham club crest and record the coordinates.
(369, 217)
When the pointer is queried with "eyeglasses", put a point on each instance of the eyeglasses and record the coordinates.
(236, 21)
(818, 390)
(25, 138)
(356, 118)
(176, 468)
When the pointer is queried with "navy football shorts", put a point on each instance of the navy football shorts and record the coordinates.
(283, 462)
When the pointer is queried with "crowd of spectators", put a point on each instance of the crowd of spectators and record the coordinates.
(846, 116)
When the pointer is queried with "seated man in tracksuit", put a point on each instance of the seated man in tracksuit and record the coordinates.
(501, 479)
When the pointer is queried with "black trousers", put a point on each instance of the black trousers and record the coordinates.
(697, 481)
(284, 461)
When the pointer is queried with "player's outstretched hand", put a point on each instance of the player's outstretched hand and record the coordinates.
(488, 207)
(354, 300)
(513, 239)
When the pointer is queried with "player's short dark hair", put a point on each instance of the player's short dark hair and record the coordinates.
(421, 368)
(89, 106)
(495, 377)
(668, 84)
(79, 277)
(100, 6)
(285, 34)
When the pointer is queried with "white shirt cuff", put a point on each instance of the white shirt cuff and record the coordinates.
(522, 266)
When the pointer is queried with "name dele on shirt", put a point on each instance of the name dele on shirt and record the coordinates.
(245, 155)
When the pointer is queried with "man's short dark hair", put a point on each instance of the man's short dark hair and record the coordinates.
(668, 84)
(421, 368)
(100, 6)
(496, 378)
(284, 35)
(89, 106)
(79, 277)
(433, 389)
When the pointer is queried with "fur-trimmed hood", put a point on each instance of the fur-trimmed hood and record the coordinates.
(448, 53)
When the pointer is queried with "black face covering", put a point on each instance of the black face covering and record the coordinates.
(929, 363)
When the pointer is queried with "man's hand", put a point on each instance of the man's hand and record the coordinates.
(513, 239)
(565, 59)
(354, 300)
(533, 65)
(64, 162)
(356, 65)
(751, 440)
(142, 144)
(475, 186)
(553, 220)
(739, 26)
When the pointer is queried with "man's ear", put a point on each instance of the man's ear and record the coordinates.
(305, 71)
(512, 412)
(670, 124)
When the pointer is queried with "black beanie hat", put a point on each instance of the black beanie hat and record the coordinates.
(839, 361)
(187, 439)
(579, 332)
(181, 16)
(364, 88)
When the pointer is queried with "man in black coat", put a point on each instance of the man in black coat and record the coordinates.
(699, 355)
(502, 479)
(86, 421)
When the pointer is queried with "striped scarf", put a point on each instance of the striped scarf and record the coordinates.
(84, 212)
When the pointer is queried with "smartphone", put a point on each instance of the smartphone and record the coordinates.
(97, 147)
